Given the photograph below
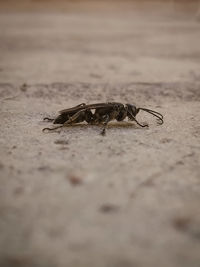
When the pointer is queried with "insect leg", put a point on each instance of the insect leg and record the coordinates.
(48, 119)
(142, 125)
(107, 119)
(69, 121)
(52, 129)
(82, 104)
(74, 117)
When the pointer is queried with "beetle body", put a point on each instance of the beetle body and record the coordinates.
(102, 114)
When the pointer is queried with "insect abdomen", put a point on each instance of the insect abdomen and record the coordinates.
(62, 118)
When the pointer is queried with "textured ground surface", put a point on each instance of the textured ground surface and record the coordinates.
(76, 198)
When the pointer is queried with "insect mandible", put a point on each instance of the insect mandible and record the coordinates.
(102, 113)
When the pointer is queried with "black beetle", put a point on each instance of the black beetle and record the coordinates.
(102, 114)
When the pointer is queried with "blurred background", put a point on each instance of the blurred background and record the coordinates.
(46, 40)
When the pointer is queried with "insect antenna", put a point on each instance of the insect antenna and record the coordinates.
(154, 113)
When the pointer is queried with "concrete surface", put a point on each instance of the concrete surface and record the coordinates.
(75, 198)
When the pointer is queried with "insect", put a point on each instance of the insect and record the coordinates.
(100, 113)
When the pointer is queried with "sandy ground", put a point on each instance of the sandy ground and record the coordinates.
(75, 198)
